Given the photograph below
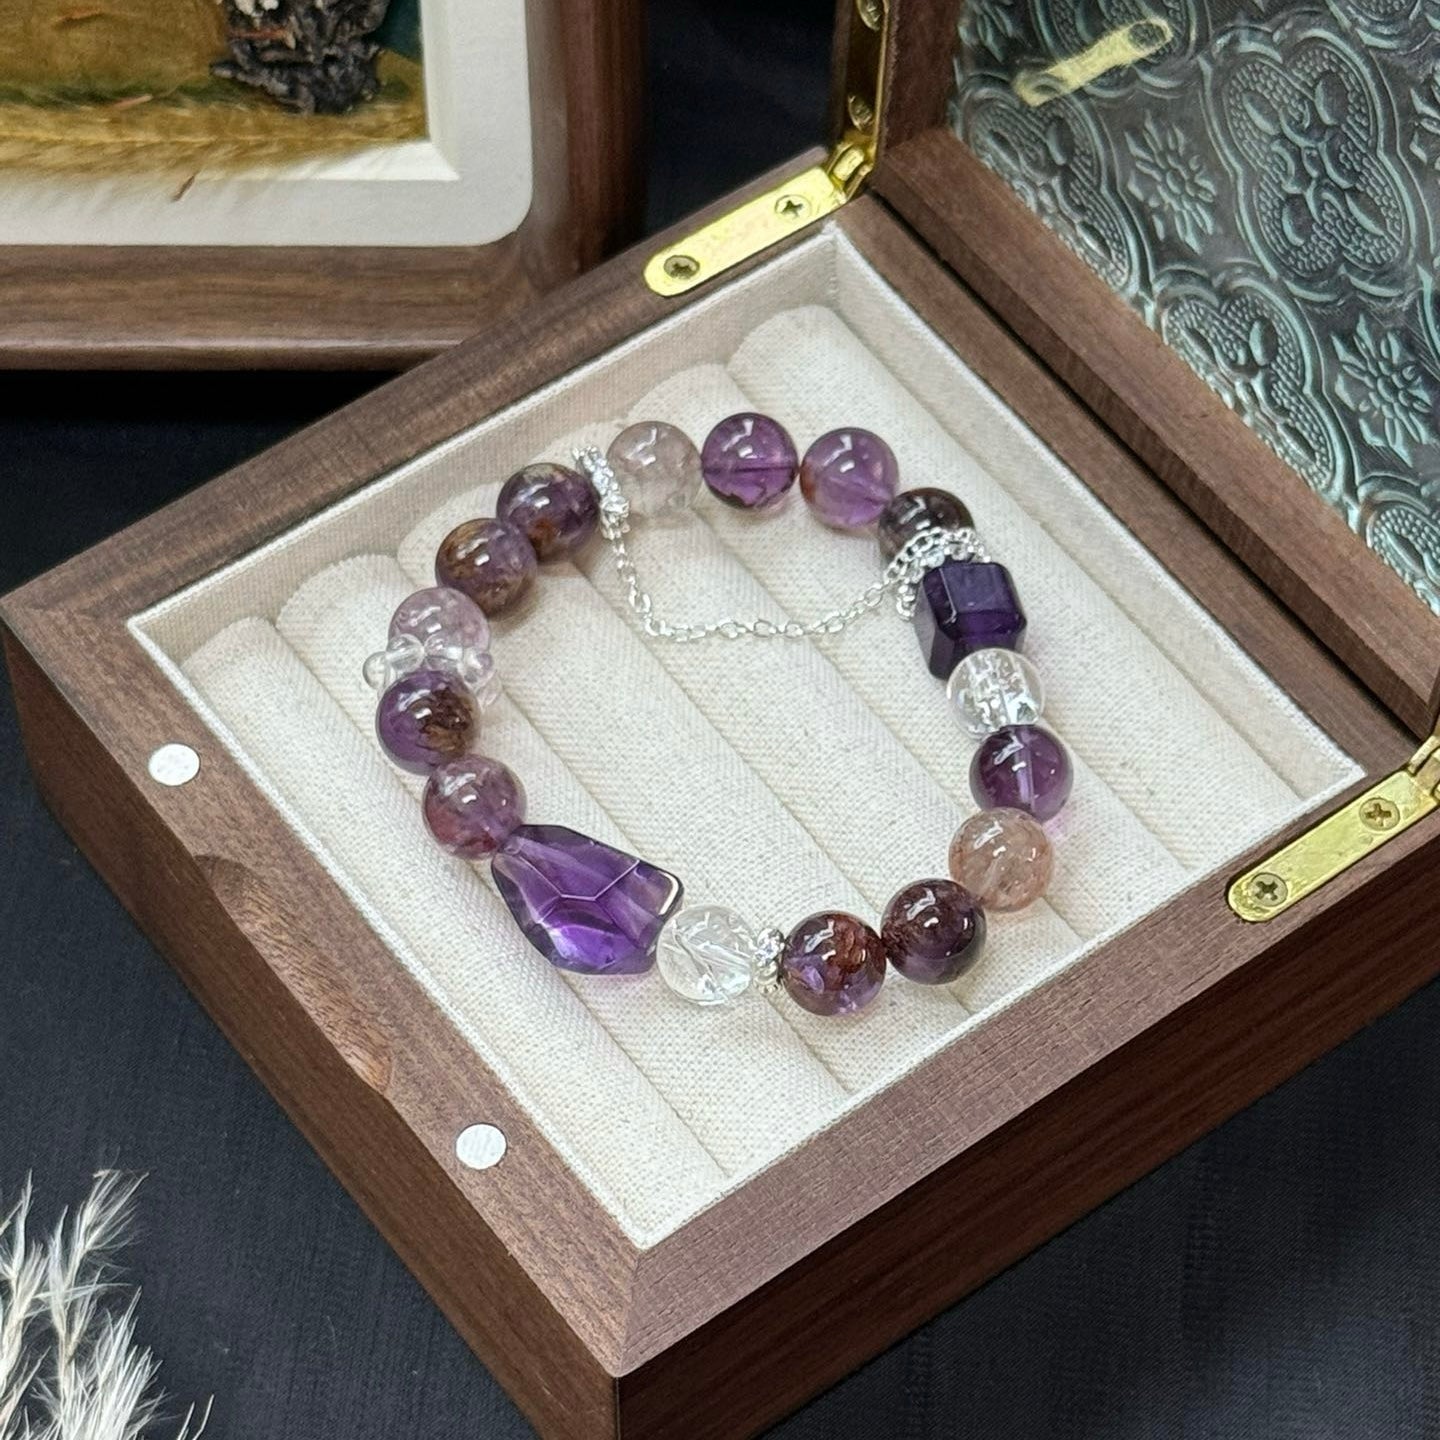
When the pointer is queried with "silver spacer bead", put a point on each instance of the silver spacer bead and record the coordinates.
(614, 506)
(769, 944)
(932, 547)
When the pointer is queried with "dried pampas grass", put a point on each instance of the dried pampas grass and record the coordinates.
(69, 1365)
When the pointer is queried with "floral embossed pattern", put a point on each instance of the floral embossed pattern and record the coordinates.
(1260, 188)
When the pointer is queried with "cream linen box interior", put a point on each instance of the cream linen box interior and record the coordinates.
(774, 777)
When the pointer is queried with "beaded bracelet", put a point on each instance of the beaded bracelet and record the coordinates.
(588, 907)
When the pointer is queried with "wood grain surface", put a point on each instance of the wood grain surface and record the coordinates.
(910, 1199)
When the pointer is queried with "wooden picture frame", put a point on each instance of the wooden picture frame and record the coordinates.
(361, 306)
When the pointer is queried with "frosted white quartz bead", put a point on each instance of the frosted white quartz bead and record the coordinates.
(705, 955)
(992, 688)
(402, 656)
(658, 467)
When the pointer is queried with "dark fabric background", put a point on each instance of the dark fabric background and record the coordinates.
(1279, 1279)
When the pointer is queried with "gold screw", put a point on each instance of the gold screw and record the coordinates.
(792, 207)
(1267, 890)
(682, 267)
(861, 111)
(871, 13)
(1380, 813)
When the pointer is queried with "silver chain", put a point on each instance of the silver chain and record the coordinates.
(901, 577)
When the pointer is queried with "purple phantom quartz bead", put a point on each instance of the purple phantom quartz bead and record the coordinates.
(584, 906)
(424, 719)
(553, 505)
(1021, 767)
(440, 614)
(966, 605)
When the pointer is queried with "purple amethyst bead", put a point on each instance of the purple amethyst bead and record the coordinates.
(584, 906)
(473, 805)
(424, 719)
(848, 477)
(554, 507)
(1021, 767)
(749, 461)
(934, 931)
(912, 511)
(966, 605)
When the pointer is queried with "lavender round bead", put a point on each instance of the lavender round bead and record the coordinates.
(472, 805)
(749, 461)
(554, 507)
(1021, 767)
(424, 719)
(444, 614)
(934, 931)
(832, 964)
(848, 477)
(490, 561)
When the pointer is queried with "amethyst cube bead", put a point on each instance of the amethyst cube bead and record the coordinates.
(966, 605)
(583, 905)
(1021, 767)
(848, 477)
(749, 461)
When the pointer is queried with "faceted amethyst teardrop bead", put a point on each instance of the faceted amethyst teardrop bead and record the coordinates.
(583, 905)
(749, 461)
(966, 605)
(1021, 767)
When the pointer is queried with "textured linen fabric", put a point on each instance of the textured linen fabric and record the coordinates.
(1278, 1278)
(777, 778)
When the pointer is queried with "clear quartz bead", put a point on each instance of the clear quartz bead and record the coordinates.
(475, 669)
(659, 468)
(705, 955)
(402, 656)
(992, 688)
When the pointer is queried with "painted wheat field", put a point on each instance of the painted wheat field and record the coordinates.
(110, 86)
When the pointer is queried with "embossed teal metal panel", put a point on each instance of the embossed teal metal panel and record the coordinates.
(1261, 182)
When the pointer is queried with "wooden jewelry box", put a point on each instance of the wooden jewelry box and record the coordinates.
(651, 1219)
(526, 173)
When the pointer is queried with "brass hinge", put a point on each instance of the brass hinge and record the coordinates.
(801, 199)
(1334, 844)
